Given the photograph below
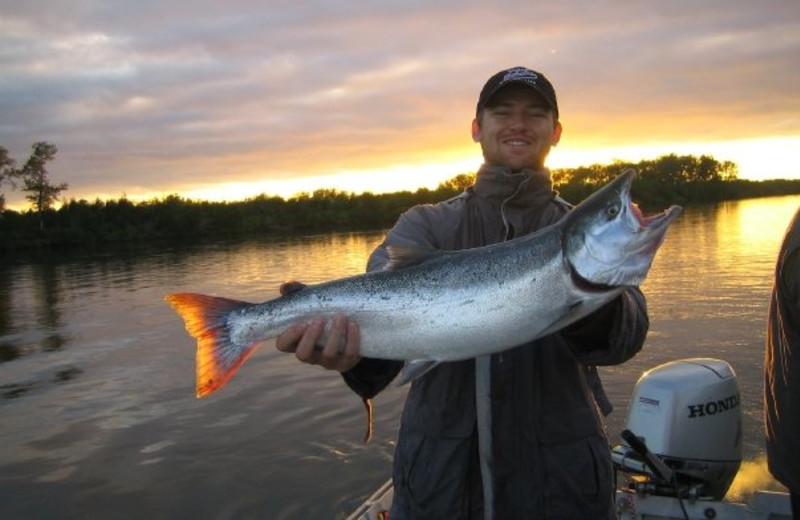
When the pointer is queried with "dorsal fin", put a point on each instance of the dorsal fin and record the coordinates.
(406, 256)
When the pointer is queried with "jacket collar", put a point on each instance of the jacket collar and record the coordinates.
(514, 188)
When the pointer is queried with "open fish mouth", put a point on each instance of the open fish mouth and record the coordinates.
(655, 229)
(658, 220)
(653, 222)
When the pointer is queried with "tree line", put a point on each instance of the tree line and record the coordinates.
(670, 179)
(42, 193)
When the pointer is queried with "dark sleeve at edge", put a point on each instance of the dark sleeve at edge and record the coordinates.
(614, 333)
(370, 376)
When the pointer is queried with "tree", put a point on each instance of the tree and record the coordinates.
(458, 183)
(36, 179)
(8, 172)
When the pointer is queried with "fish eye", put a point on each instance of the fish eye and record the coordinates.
(613, 211)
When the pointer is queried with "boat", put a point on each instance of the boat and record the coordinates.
(682, 448)
(376, 507)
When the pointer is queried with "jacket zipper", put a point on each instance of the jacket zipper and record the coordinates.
(510, 232)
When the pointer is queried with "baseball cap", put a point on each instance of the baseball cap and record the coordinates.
(531, 78)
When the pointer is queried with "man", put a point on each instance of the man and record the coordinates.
(516, 434)
(782, 368)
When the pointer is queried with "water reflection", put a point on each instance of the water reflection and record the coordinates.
(48, 297)
(100, 417)
(728, 253)
(8, 350)
(31, 321)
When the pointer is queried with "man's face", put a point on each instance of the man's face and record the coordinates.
(517, 129)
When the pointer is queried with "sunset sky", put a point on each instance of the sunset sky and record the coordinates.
(230, 99)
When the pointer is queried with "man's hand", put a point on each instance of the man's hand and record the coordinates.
(341, 348)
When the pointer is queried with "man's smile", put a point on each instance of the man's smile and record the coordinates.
(517, 141)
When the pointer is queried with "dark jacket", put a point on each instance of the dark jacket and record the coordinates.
(782, 364)
(550, 454)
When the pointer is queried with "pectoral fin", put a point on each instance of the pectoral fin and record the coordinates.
(414, 369)
(570, 317)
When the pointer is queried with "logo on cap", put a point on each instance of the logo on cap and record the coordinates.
(520, 73)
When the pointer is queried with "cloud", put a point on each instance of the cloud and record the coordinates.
(154, 95)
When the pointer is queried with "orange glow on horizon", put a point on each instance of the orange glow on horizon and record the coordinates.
(757, 159)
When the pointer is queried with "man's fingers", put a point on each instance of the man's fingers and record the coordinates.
(340, 350)
(306, 347)
(334, 346)
(287, 341)
(352, 348)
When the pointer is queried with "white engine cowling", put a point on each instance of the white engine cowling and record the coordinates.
(687, 413)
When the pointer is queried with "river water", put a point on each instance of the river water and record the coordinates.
(97, 410)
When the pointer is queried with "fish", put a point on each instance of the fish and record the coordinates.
(429, 306)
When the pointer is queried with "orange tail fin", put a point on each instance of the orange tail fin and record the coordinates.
(218, 358)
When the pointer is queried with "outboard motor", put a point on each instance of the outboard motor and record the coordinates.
(684, 430)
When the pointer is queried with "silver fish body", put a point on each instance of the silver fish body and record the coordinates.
(452, 306)
(446, 306)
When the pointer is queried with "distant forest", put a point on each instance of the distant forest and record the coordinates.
(669, 179)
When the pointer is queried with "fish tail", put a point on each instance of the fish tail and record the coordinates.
(218, 357)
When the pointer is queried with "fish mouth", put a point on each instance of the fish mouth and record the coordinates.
(662, 219)
(650, 230)
(653, 223)
(655, 227)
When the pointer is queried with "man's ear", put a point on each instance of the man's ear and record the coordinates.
(556, 134)
(476, 130)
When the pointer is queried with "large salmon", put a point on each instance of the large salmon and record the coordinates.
(433, 306)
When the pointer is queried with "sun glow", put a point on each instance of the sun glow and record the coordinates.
(757, 159)
(408, 177)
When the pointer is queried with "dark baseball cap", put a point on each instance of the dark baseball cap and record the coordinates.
(524, 76)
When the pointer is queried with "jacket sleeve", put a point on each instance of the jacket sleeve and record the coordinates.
(370, 376)
(614, 333)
